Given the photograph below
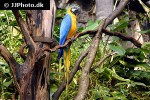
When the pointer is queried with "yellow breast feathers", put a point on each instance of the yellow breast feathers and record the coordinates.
(73, 28)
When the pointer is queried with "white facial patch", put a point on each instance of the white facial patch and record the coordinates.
(73, 10)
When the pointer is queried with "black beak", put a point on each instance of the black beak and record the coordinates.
(77, 11)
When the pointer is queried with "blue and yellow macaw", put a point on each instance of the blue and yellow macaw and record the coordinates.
(68, 29)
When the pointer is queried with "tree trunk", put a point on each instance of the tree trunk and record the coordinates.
(36, 85)
(32, 77)
(104, 8)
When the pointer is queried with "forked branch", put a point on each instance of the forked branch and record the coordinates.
(24, 28)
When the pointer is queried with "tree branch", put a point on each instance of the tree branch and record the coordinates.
(118, 34)
(24, 28)
(14, 66)
(84, 79)
(21, 51)
(62, 86)
(123, 37)
(86, 70)
(116, 12)
(102, 60)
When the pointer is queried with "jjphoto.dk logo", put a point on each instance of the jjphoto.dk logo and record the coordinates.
(6, 5)
(23, 5)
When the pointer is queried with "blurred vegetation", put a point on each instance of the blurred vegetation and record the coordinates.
(124, 76)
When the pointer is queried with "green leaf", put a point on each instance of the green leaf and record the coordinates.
(119, 49)
(137, 83)
(146, 47)
(92, 25)
(131, 84)
(122, 83)
(123, 62)
(6, 84)
(115, 75)
(118, 96)
(60, 13)
(144, 32)
(122, 24)
(99, 70)
(108, 98)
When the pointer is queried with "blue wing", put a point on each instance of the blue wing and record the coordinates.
(64, 30)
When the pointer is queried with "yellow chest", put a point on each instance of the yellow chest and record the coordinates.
(73, 28)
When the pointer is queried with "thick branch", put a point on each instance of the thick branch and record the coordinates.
(118, 34)
(14, 66)
(24, 28)
(62, 86)
(123, 37)
(84, 79)
(116, 12)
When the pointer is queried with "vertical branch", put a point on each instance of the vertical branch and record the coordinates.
(84, 79)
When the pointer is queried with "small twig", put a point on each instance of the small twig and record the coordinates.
(102, 60)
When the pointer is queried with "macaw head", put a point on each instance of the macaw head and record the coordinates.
(75, 9)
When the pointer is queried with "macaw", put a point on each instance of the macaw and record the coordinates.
(68, 29)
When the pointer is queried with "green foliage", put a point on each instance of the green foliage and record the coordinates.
(122, 24)
(124, 76)
(120, 50)
(121, 77)
(91, 25)
(10, 37)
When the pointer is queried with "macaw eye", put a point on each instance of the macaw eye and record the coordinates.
(75, 10)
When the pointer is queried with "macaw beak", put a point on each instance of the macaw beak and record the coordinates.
(76, 11)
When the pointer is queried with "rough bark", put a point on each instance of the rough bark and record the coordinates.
(32, 77)
(84, 78)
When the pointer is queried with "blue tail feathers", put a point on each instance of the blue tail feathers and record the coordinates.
(60, 54)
